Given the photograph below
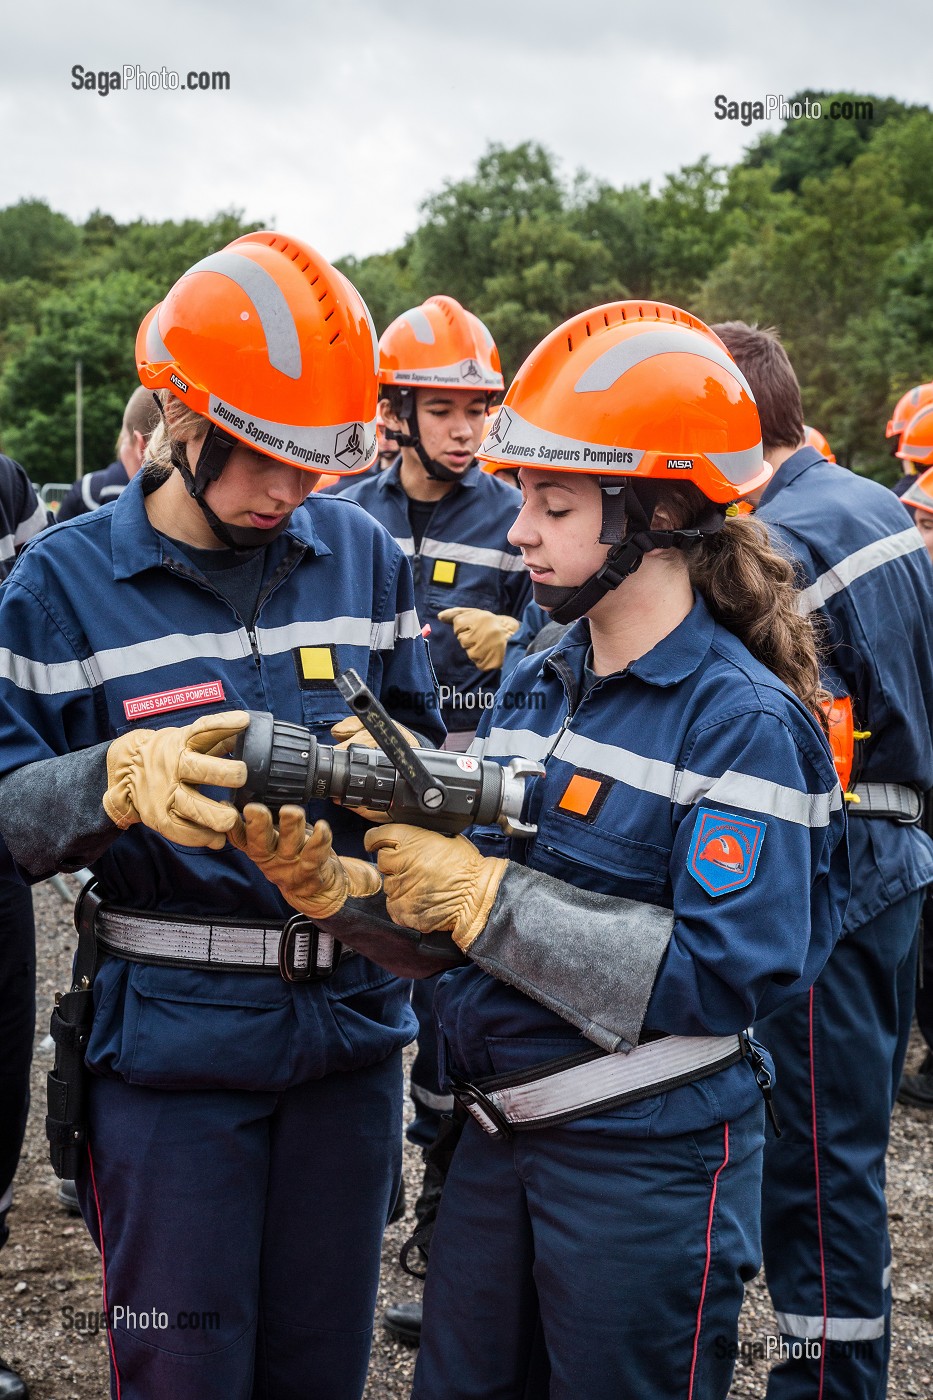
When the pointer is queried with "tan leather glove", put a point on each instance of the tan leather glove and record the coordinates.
(154, 776)
(483, 635)
(435, 882)
(353, 731)
(300, 860)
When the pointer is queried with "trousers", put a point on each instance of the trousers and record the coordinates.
(839, 1051)
(568, 1264)
(240, 1233)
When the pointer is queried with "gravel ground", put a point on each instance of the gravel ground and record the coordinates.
(50, 1264)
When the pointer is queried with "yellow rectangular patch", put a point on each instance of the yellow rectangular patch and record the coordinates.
(579, 795)
(317, 663)
(444, 571)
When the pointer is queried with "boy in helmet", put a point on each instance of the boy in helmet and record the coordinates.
(244, 1091)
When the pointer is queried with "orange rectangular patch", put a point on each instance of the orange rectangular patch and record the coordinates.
(580, 794)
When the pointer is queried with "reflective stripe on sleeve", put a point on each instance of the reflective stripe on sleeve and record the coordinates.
(48, 678)
(752, 794)
(27, 529)
(854, 566)
(654, 775)
(86, 496)
(834, 1329)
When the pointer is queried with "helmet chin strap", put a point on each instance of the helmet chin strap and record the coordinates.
(435, 470)
(212, 459)
(625, 504)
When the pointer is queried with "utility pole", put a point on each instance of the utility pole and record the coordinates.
(79, 422)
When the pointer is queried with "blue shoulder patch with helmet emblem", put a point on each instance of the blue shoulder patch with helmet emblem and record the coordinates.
(724, 851)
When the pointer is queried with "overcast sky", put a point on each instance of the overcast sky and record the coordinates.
(342, 116)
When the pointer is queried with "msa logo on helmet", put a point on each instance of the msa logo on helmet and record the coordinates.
(471, 372)
(680, 464)
(179, 383)
(349, 448)
(500, 428)
(724, 851)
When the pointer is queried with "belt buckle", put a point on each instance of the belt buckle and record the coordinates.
(482, 1110)
(304, 954)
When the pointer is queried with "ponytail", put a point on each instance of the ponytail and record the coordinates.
(750, 588)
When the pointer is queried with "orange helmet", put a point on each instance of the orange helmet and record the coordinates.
(919, 495)
(814, 438)
(724, 850)
(640, 395)
(906, 406)
(440, 345)
(273, 346)
(916, 444)
(633, 389)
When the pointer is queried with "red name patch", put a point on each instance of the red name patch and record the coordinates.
(181, 699)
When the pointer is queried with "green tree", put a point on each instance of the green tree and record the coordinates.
(35, 242)
(384, 281)
(164, 251)
(547, 272)
(452, 248)
(621, 220)
(95, 323)
(805, 149)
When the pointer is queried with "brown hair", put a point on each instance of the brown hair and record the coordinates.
(179, 423)
(751, 589)
(763, 360)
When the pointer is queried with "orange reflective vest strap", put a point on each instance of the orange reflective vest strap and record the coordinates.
(843, 737)
(838, 714)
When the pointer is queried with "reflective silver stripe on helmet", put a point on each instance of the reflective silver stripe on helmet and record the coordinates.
(336, 447)
(420, 325)
(157, 351)
(622, 356)
(487, 333)
(274, 312)
(372, 331)
(741, 465)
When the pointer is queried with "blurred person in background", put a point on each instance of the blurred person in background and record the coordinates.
(100, 488)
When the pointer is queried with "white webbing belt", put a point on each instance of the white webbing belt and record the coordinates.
(608, 1080)
(895, 800)
(200, 943)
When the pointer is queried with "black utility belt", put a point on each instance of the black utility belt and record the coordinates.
(896, 801)
(298, 950)
(594, 1082)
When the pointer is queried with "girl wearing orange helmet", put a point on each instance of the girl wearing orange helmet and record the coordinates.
(601, 1214)
(227, 1091)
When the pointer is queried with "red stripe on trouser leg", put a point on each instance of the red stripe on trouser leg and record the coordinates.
(709, 1251)
(819, 1204)
(103, 1268)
